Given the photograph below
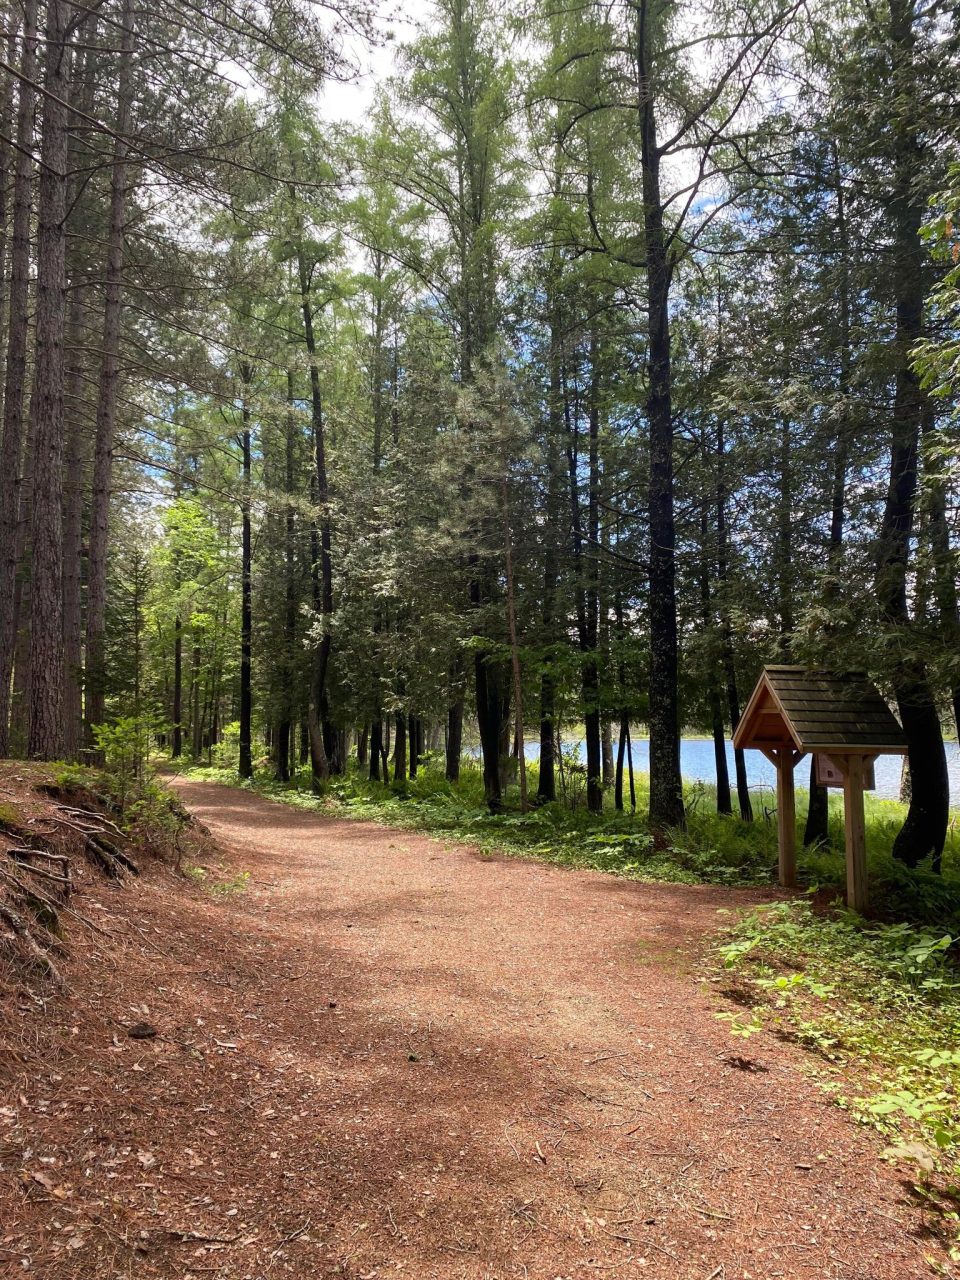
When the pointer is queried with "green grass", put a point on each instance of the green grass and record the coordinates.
(713, 849)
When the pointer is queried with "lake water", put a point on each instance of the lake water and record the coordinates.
(697, 765)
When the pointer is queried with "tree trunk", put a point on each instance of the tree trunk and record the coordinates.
(492, 706)
(400, 748)
(454, 746)
(6, 154)
(11, 447)
(621, 753)
(321, 660)
(177, 737)
(107, 395)
(73, 534)
(376, 747)
(924, 831)
(514, 647)
(45, 715)
(246, 588)
(726, 629)
(714, 701)
(547, 781)
(587, 597)
(666, 789)
(606, 743)
(285, 729)
(196, 685)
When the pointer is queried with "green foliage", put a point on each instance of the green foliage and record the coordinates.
(125, 746)
(714, 848)
(880, 1006)
(151, 813)
(238, 883)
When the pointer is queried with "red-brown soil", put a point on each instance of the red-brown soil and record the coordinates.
(387, 1057)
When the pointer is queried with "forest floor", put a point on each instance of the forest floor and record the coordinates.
(378, 1054)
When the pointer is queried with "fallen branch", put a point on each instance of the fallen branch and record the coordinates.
(289, 1238)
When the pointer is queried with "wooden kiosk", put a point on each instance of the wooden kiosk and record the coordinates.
(843, 720)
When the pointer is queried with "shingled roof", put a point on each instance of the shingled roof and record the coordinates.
(816, 710)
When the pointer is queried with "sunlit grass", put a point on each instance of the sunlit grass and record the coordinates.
(713, 849)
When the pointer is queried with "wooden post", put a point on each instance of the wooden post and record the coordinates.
(855, 832)
(786, 818)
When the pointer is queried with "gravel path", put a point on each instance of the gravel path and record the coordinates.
(390, 1057)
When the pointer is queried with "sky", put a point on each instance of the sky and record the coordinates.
(397, 23)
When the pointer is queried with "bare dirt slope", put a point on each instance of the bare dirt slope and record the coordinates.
(386, 1057)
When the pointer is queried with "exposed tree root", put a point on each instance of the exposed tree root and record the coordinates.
(109, 857)
(22, 939)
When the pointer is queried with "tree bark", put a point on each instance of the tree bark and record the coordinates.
(454, 744)
(666, 788)
(726, 630)
(547, 781)
(177, 736)
(11, 447)
(73, 536)
(321, 660)
(107, 394)
(924, 831)
(285, 729)
(246, 588)
(45, 715)
(400, 748)
(376, 747)
(493, 701)
(817, 828)
(514, 646)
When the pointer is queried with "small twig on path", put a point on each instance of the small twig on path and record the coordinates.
(659, 1247)
(712, 1213)
(460, 1248)
(187, 1237)
(506, 1134)
(159, 950)
(289, 1238)
(605, 1057)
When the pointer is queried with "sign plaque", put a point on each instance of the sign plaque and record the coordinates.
(829, 773)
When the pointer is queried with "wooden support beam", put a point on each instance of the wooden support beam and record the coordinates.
(787, 818)
(856, 838)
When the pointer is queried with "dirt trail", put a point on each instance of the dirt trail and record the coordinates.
(387, 1057)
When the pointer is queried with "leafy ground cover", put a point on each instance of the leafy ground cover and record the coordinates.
(879, 1006)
